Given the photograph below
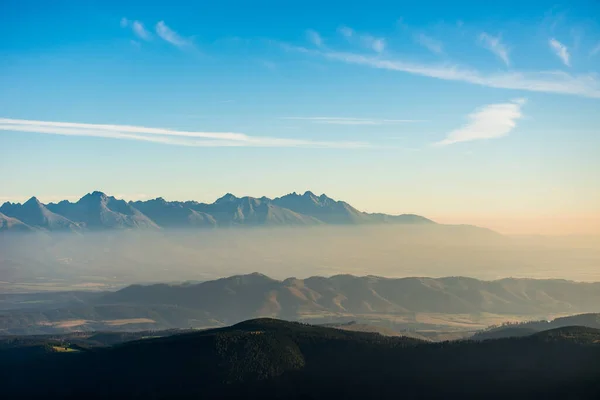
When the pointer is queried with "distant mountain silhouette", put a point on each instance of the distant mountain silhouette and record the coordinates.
(34, 213)
(97, 210)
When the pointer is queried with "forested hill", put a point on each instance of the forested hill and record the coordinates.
(268, 358)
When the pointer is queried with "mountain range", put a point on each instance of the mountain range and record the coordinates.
(253, 295)
(98, 211)
(406, 303)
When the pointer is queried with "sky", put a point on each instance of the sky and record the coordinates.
(465, 112)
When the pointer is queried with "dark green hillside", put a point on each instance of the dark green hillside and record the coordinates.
(268, 358)
(589, 320)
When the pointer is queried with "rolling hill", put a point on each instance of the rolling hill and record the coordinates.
(257, 294)
(439, 304)
(590, 320)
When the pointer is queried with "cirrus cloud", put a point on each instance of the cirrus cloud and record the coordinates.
(495, 45)
(561, 51)
(167, 136)
(169, 35)
(585, 85)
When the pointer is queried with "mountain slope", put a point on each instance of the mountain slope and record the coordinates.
(248, 296)
(9, 224)
(322, 208)
(173, 214)
(230, 210)
(331, 211)
(406, 303)
(99, 211)
(34, 213)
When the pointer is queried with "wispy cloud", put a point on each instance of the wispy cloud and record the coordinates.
(166, 136)
(561, 51)
(377, 44)
(543, 81)
(171, 36)
(495, 45)
(352, 121)
(140, 31)
(595, 50)
(489, 122)
(433, 45)
(346, 32)
(314, 37)
(137, 27)
(368, 41)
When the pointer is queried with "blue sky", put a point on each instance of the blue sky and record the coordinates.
(466, 112)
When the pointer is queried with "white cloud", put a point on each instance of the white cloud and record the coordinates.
(137, 27)
(140, 31)
(561, 51)
(495, 45)
(352, 121)
(346, 32)
(171, 36)
(595, 50)
(166, 136)
(433, 45)
(369, 41)
(314, 37)
(542, 81)
(489, 122)
(377, 44)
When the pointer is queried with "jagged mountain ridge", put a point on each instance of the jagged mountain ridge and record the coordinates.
(35, 214)
(97, 210)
